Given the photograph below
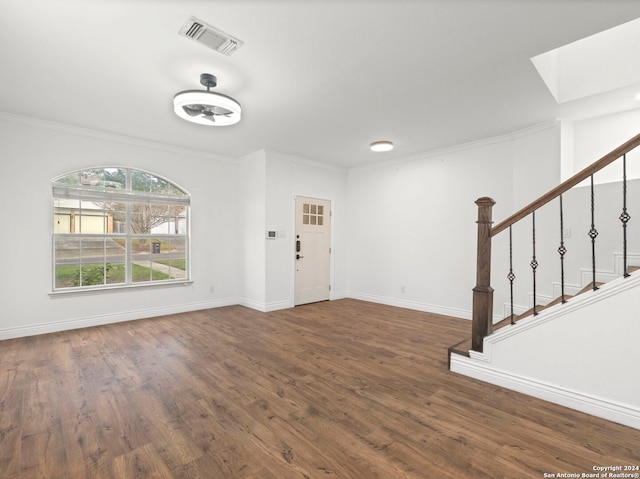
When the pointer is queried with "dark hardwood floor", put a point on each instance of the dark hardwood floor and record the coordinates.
(342, 389)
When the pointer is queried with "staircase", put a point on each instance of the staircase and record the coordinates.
(579, 349)
(463, 348)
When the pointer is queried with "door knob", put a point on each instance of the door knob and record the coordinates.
(299, 257)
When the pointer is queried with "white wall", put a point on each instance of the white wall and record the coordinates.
(407, 225)
(252, 223)
(595, 137)
(412, 230)
(594, 353)
(609, 242)
(536, 164)
(583, 142)
(34, 152)
(268, 184)
(233, 203)
(536, 170)
(288, 177)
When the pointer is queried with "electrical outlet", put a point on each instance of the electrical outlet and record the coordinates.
(212, 289)
(403, 289)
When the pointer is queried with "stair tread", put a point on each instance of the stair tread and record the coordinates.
(558, 300)
(462, 347)
(589, 287)
(516, 317)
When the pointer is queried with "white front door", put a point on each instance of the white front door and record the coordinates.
(312, 251)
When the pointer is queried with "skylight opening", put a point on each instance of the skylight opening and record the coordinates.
(600, 63)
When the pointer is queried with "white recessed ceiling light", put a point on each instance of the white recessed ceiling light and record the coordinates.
(207, 107)
(381, 146)
(637, 97)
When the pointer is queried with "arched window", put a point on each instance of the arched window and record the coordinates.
(118, 227)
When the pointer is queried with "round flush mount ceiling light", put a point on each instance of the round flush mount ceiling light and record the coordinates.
(207, 107)
(381, 146)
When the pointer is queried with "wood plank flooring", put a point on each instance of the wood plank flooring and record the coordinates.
(341, 389)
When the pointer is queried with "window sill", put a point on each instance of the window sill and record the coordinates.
(120, 287)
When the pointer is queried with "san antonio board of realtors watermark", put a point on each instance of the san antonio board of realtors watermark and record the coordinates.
(600, 472)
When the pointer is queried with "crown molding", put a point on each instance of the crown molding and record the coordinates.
(112, 137)
(462, 147)
(305, 161)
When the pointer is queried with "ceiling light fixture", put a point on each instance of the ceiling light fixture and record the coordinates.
(207, 107)
(381, 146)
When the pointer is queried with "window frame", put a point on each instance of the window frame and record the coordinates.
(126, 197)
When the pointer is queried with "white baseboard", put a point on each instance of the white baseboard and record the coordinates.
(277, 305)
(68, 324)
(250, 303)
(338, 295)
(414, 305)
(97, 320)
(612, 411)
(265, 307)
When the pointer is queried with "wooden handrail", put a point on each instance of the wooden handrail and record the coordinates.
(567, 185)
(482, 313)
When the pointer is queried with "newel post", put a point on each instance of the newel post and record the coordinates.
(483, 292)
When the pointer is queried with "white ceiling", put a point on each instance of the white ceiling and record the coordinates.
(319, 79)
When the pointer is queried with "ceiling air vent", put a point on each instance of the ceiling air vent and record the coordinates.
(210, 37)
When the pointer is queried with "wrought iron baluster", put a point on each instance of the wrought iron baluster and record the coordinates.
(624, 217)
(511, 276)
(593, 233)
(562, 250)
(534, 262)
